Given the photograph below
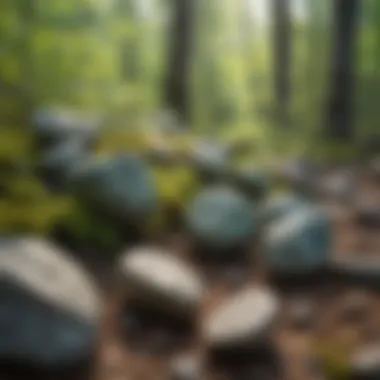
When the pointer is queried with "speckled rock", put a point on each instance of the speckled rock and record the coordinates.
(242, 320)
(299, 243)
(121, 185)
(221, 218)
(49, 307)
(55, 124)
(161, 280)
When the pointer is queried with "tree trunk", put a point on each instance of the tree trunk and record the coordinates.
(282, 58)
(340, 102)
(180, 47)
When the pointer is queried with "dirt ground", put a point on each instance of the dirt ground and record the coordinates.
(146, 352)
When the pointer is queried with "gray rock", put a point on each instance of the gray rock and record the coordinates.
(365, 362)
(242, 320)
(49, 308)
(161, 280)
(299, 243)
(221, 218)
(120, 185)
(54, 124)
(58, 162)
(209, 159)
(186, 367)
(281, 205)
(340, 185)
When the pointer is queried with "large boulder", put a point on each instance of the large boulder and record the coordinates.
(49, 308)
(221, 218)
(299, 243)
(120, 185)
(162, 281)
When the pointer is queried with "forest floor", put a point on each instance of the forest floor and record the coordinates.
(146, 353)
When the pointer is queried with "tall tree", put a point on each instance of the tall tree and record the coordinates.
(340, 100)
(180, 47)
(281, 58)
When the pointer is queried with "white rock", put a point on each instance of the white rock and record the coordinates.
(163, 280)
(242, 319)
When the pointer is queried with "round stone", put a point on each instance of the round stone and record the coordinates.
(242, 320)
(186, 367)
(299, 243)
(49, 307)
(162, 280)
(121, 185)
(221, 218)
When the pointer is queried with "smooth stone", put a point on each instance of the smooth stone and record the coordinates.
(55, 124)
(242, 320)
(298, 174)
(299, 243)
(209, 159)
(221, 218)
(161, 280)
(121, 185)
(57, 163)
(365, 363)
(281, 205)
(186, 367)
(49, 307)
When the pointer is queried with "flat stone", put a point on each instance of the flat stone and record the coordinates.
(242, 320)
(49, 307)
(221, 218)
(299, 243)
(161, 280)
(365, 362)
(120, 185)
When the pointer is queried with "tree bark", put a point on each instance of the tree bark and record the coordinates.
(281, 58)
(342, 75)
(178, 66)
